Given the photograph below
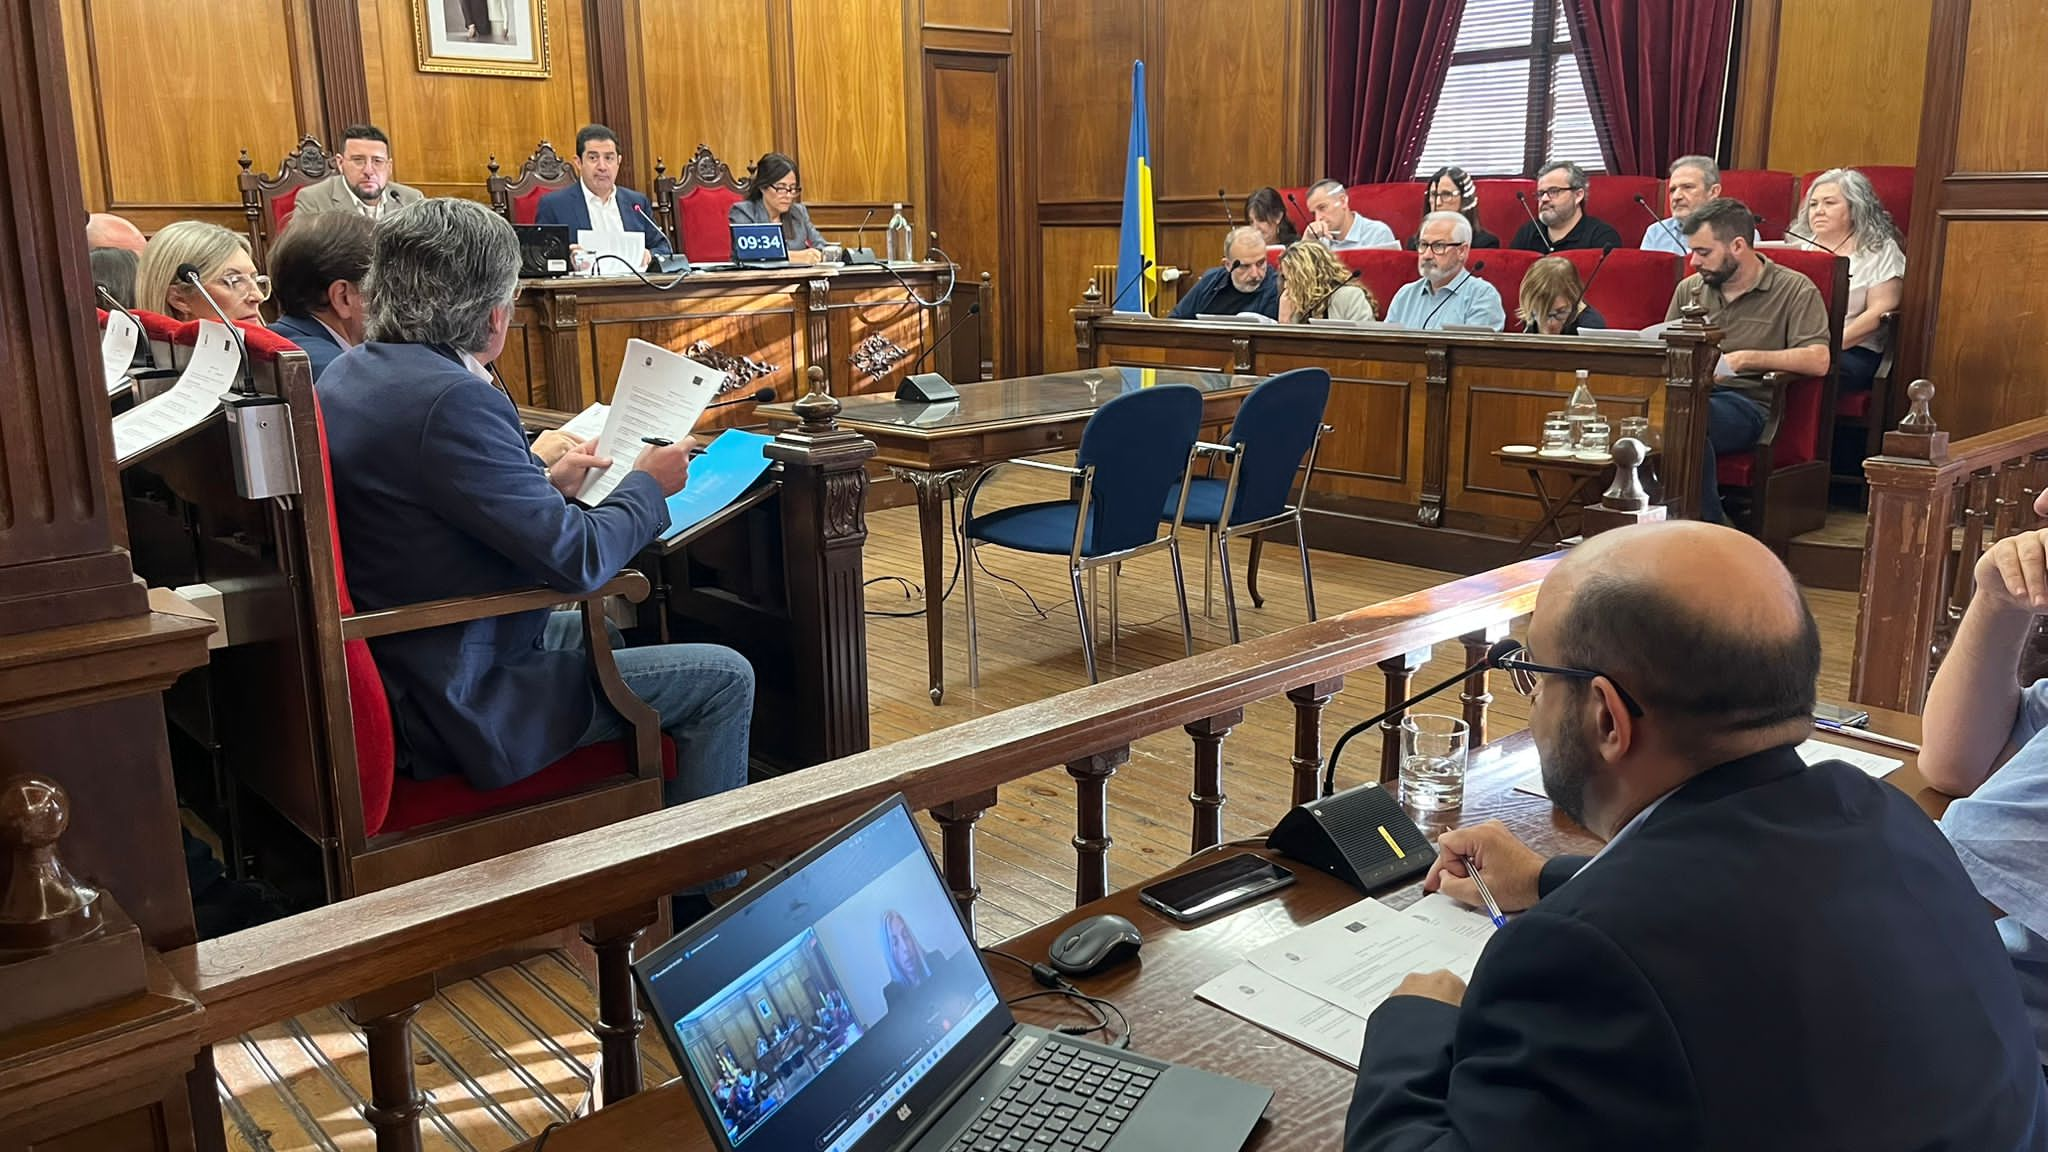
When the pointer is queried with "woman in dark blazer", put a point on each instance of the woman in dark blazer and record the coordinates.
(773, 200)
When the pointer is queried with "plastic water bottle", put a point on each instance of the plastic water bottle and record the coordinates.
(899, 237)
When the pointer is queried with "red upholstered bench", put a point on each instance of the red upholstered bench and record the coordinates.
(695, 206)
(1397, 205)
(1633, 289)
(1766, 192)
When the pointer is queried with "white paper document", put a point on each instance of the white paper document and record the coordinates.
(659, 395)
(587, 423)
(1273, 1004)
(1357, 957)
(1656, 331)
(210, 372)
(1444, 912)
(628, 246)
(117, 349)
(1815, 751)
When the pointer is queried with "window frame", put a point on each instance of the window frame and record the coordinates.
(1542, 52)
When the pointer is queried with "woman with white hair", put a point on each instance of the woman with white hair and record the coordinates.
(225, 268)
(1842, 212)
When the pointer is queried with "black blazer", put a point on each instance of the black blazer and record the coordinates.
(1776, 958)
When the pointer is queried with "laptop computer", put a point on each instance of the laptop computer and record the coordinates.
(840, 1006)
(759, 246)
(543, 249)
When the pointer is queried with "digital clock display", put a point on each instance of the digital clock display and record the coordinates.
(758, 242)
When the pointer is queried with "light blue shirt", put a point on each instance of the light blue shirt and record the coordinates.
(1367, 233)
(2000, 833)
(1466, 300)
(1665, 236)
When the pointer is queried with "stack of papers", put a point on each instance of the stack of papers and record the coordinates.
(211, 371)
(1811, 751)
(1317, 986)
(117, 349)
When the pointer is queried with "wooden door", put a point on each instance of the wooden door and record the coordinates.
(972, 195)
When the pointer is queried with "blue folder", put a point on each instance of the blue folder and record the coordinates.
(721, 475)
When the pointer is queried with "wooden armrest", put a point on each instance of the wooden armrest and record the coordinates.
(542, 419)
(462, 609)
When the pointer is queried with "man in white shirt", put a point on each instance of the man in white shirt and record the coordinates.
(1694, 181)
(362, 181)
(596, 203)
(1337, 225)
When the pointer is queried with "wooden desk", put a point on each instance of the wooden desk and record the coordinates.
(938, 448)
(762, 327)
(1311, 1093)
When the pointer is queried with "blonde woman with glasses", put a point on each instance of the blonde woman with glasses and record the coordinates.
(1316, 285)
(225, 268)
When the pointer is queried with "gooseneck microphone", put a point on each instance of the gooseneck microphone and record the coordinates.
(1670, 221)
(1500, 650)
(1470, 269)
(1542, 233)
(973, 310)
(1229, 217)
(1306, 219)
(1572, 316)
(141, 333)
(189, 274)
(860, 233)
(762, 395)
(1808, 239)
(1144, 263)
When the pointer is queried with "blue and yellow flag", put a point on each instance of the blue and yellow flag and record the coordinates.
(1137, 247)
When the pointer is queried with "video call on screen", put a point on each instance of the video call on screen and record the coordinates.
(868, 980)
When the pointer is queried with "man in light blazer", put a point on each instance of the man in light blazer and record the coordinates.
(596, 202)
(363, 181)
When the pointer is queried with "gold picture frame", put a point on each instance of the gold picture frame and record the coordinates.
(483, 37)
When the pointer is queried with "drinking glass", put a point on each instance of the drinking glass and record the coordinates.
(1433, 754)
(1594, 436)
(1636, 428)
(834, 253)
(1557, 437)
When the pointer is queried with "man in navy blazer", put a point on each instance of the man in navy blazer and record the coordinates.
(596, 202)
(1763, 956)
(437, 496)
(316, 276)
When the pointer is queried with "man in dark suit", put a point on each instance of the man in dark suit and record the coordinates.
(1764, 956)
(316, 278)
(437, 496)
(596, 202)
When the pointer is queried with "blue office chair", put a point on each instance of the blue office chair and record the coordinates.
(1278, 428)
(1134, 450)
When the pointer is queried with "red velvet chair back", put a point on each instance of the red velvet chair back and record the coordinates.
(1634, 287)
(267, 201)
(1397, 205)
(1893, 184)
(1295, 200)
(1499, 213)
(1504, 268)
(1381, 270)
(1767, 192)
(1802, 424)
(1613, 199)
(517, 198)
(694, 207)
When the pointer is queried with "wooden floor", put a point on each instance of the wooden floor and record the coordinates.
(503, 1055)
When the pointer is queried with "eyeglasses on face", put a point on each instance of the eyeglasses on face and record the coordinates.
(1442, 194)
(786, 188)
(242, 284)
(376, 163)
(1523, 673)
(1438, 247)
(1553, 193)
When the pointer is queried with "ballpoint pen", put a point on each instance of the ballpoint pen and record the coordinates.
(1493, 911)
(1832, 728)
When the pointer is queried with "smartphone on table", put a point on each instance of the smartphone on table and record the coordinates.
(1215, 889)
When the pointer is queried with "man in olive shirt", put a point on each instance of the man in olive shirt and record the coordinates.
(1771, 320)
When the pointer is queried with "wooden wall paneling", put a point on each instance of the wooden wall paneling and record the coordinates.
(722, 97)
(1377, 406)
(611, 92)
(84, 104)
(968, 15)
(851, 102)
(2002, 121)
(337, 42)
(1988, 346)
(1066, 255)
(1829, 49)
(968, 127)
(1217, 60)
(444, 126)
(1756, 68)
(1083, 97)
(1508, 408)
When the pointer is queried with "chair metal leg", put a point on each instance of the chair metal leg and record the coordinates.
(967, 597)
(1308, 581)
(1087, 634)
(1180, 593)
(1208, 558)
(1229, 593)
(1115, 625)
(1094, 601)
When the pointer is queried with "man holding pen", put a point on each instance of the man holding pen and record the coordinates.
(1763, 956)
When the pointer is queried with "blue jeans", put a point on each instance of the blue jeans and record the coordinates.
(704, 694)
(1734, 422)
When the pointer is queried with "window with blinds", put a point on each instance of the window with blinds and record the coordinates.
(1512, 98)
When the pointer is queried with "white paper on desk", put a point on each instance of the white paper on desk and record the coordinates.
(1532, 785)
(1279, 1007)
(628, 246)
(1355, 958)
(210, 372)
(587, 423)
(660, 394)
(1656, 331)
(1815, 751)
(1445, 912)
(117, 349)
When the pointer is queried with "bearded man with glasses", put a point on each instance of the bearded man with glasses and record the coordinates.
(362, 180)
(1244, 282)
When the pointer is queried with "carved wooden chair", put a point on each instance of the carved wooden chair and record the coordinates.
(267, 200)
(692, 208)
(517, 198)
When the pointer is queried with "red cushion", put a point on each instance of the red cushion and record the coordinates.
(1398, 205)
(703, 215)
(1765, 191)
(1499, 212)
(1613, 199)
(1296, 200)
(419, 802)
(1798, 437)
(1893, 184)
(281, 209)
(1381, 270)
(526, 205)
(158, 327)
(1855, 405)
(1504, 268)
(1634, 287)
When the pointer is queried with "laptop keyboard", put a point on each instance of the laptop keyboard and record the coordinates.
(1066, 1099)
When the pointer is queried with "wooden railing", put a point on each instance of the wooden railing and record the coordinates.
(376, 954)
(1934, 508)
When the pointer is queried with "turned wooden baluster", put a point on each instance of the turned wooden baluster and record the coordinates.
(1091, 821)
(1309, 702)
(385, 1016)
(619, 1024)
(1207, 796)
(1976, 506)
(956, 820)
(2007, 503)
(1476, 696)
(1400, 673)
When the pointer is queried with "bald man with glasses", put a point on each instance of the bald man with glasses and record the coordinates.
(1243, 283)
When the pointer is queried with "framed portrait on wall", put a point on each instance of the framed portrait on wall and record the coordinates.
(482, 37)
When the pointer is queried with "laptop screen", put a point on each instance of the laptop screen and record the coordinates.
(809, 1009)
(758, 242)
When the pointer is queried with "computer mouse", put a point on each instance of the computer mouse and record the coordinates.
(1094, 944)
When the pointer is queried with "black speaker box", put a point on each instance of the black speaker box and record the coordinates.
(927, 388)
(1360, 835)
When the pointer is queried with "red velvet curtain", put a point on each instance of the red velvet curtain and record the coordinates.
(1387, 65)
(1655, 72)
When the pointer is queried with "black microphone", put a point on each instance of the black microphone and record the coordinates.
(1306, 219)
(763, 395)
(1542, 234)
(1229, 217)
(393, 193)
(1475, 266)
(189, 274)
(1807, 239)
(663, 235)
(141, 333)
(1492, 659)
(861, 232)
(1672, 220)
(973, 310)
(1144, 262)
(1572, 316)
